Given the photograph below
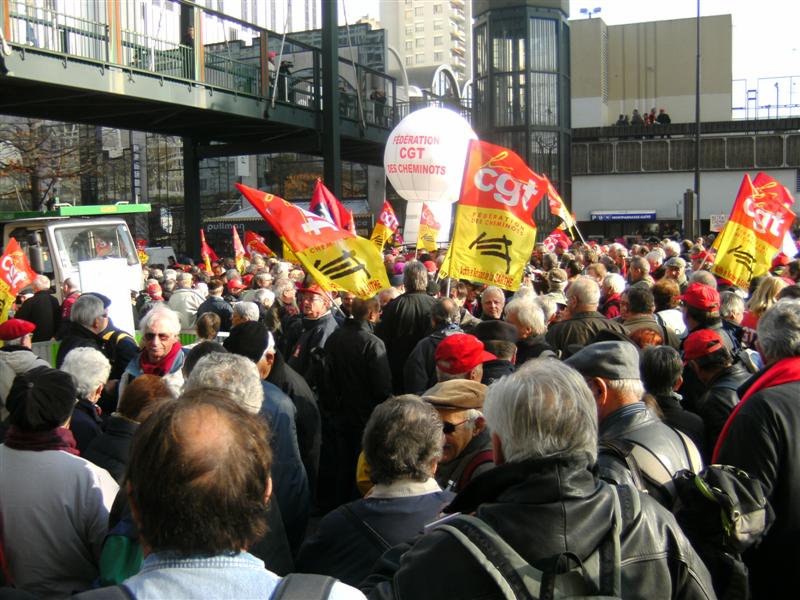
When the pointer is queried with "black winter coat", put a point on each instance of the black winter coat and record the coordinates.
(42, 310)
(579, 330)
(110, 449)
(716, 405)
(419, 371)
(77, 336)
(543, 507)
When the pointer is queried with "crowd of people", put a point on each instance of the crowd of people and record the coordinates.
(443, 439)
(646, 120)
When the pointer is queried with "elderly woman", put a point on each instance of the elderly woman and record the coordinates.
(90, 369)
(764, 296)
(402, 442)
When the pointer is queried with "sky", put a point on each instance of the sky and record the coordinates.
(765, 39)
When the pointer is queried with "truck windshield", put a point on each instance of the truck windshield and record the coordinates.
(96, 241)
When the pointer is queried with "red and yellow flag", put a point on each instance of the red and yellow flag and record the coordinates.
(494, 229)
(385, 227)
(335, 258)
(557, 206)
(15, 274)
(754, 232)
(556, 238)
(238, 251)
(428, 230)
(255, 244)
(206, 253)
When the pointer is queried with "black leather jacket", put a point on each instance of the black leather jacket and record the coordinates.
(543, 507)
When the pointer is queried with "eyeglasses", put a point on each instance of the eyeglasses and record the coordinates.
(451, 427)
(162, 336)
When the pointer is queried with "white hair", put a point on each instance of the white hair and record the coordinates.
(672, 248)
(231, 373)
(704, 277)
(614, 282)
(585, 290)
(246, 310)
(632, 389)
(264, 294)
(40, 282)
(655, 256)
(779, 330)
(89, 368)
(544, 409)
(528, 313)
(161, 312)
(548, 305)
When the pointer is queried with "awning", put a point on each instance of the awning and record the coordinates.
(250, 214)
(623, 215)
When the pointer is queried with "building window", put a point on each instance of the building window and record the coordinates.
(437, 40)
(437, 9)
(409, 14)
(420, 59)
(409, 29)
(438, 56)
(419, 27)
(420, 42)
(438, 25)
(409, 61)
(419, 11)
(409, 45)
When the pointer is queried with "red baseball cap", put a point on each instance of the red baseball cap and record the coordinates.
(430, 266)
(701, 296)
(247, 279)
(700, 255)
(460, 353)
(15, 328)
(314, 288)
(701, 343)
(235, 284)
(780, 260)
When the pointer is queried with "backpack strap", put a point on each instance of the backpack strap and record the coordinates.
(297, 586)
(481, 458)
(368, 531)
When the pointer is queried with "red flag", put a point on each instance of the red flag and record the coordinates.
(555, 239)
(238, 251)
(206, 253)
(325, 204)
(255, 244)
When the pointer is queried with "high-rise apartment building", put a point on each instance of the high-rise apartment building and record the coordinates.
(429, 33)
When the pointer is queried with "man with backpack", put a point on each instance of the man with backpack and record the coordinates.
(542, 510)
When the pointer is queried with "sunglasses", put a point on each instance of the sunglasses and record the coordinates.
(451, 427)
(162, 336)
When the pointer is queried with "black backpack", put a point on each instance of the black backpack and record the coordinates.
(723, 511)
(598, 576)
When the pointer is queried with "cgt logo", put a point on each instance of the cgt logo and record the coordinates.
(11, 269)
(508, 189)
(764, 221)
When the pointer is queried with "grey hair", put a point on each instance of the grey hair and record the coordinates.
(548, 305)
(89, 368)
(493, 289)
(86, 309)
(619, 249)
(170, 274)
(630, 389)
(184, 280)
(704, 277)
(655, 256)
(672, 248)
(262, 277)
(71, 284)
(528, 314)
(445, 312)
(544, 409)
(402, 439)
(231, 373)
(443, 376)
(524, 292)
(415, 276)
(614, 282)
(263, 293)
(585, 290)
(41, 282)
(640, 262)
(161, 312)
(729, 303)
(779, 330)
(281, 285)
(246, 310)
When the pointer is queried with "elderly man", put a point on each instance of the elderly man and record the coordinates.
(493, 300)
(639, 270)
(675, 269)
(641, 322)
(318, 323)
(467, 449)
(88, 319)
(184, 300)
(199, 485)
(419, 372)
(629, 431)
(16, 356)
(528, 317)
(544, 500)
(461, 356)
(41, 309)
(406, 320)
(402, 445)
(161, 353)
(581, 321)
(244, 312)
(499, 338)
(762, 436)
(261, 281)
(54, 505)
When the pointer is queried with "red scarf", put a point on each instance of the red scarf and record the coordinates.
(163, 366)
(785, 370)
(52, 439)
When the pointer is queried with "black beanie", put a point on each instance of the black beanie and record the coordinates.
(248, 339)
(41, 399)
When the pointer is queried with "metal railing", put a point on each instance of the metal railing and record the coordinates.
(60, 33)
(149, 53)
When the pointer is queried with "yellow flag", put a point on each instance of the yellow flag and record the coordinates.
(494, 229)
(428, 230)
(337, 259)
(385, 227)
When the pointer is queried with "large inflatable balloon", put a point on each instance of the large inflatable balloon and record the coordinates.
(425, 154)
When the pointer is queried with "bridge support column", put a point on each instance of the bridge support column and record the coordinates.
(331, 147)
(191, 197)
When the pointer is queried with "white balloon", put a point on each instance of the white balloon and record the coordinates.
(425, 155)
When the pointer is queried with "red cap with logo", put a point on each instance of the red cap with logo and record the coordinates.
(701, 343)
(314, 288)
(430, 266)
(701, 296)
(235, 284)
(460, 353)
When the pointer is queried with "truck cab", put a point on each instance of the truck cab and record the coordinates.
(56, 241)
